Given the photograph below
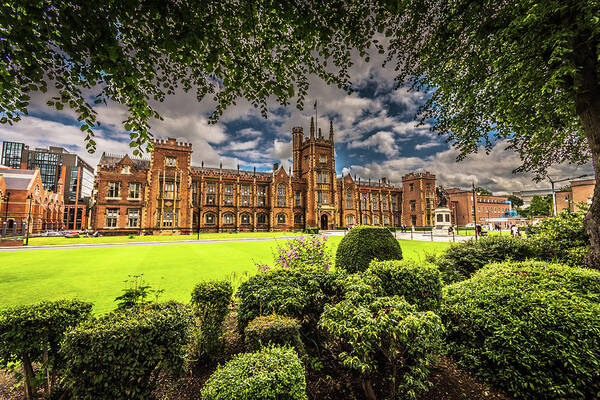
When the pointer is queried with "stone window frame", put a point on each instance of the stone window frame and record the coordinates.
(112, 217)
(228, 218)
(281, 218)
(260, 216)
(246, 216)
(298, 219)
(136, 218)
(350, 219)
(210, 218)
(138, 192)
(113, 189)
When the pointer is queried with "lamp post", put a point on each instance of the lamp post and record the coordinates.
(30, 197)
(554, 212)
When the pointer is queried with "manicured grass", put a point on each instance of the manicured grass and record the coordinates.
(43, 241)
(97, 274)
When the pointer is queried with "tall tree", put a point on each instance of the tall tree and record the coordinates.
(135, 52)
(524, 71)
(540, 206)
(516, 201)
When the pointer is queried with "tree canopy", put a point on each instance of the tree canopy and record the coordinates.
(138, 52)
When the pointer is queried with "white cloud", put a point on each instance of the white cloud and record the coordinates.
(382, 141)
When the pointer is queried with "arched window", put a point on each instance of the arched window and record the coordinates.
(281, 195)
(228, 219)
(375, 220)
(281, 219)
(365, 220)
(209, 219)
(386, 220)
(298, 218)
(349, 199)
(261, 219)
(245, 219)
(349, 220)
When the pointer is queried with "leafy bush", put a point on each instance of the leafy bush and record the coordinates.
(137, 293)
(362, 245)
(32, 334)
(120, 355)
(386, 340)
(420, 284)
(272, 373)
(273, 329)
(210, 301)
(463, 259)
(300, 294)
(311, 252)
(555, 237)
(532, 328)
(311, 231)
(575, 257)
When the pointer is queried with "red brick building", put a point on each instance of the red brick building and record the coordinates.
(167, 195)
(489, 207)
(24, 199)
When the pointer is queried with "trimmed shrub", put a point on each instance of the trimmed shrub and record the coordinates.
(210, 302)
(311, 231)
(300, 294)
(273, 373)
(273, 329)
(555, 237)
(463, 259)
(362, 245)
(120, 355)
(420, 284)
(387, 341)
(531, 327)
(311, 252)
(32, 334)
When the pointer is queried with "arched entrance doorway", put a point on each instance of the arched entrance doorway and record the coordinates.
(324, 224)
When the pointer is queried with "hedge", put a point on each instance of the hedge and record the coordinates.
(120, 355)
(273, 329)
(419, 283)
(273, 373)
(210, 302)
(299, 294)
(386, 341)
(461, 260)
(362, 244)
(532, 328)
(32, 334)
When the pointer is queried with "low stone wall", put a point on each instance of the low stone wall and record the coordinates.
(11, 242)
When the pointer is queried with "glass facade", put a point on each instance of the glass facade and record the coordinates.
(48, 163)
(11, 154)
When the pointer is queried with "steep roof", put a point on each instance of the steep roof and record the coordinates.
(17, 179)
(224, 171)
(112, 160)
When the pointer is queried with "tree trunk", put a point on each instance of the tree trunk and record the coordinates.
(368, 389)
(587, 104)
(28, 372)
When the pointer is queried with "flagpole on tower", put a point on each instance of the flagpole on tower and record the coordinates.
(316, 118)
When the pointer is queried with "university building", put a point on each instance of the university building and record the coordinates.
(165, 194)
(57, 167)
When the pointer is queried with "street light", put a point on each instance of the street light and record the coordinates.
(30, 197)
(554, 193)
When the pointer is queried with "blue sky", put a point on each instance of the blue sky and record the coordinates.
(376, 134)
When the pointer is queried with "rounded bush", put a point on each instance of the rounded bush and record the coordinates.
(118, 355)
(362, 245)
(27, 332)
(300, 294)
(273, 373)
(273, 329)
(420, 284)
(461, 260)
(529, 327)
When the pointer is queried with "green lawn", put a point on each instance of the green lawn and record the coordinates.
(42, 241)
(97, 274)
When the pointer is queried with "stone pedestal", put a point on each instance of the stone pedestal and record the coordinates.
(443, 221)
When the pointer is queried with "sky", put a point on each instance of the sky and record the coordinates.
(375, 132)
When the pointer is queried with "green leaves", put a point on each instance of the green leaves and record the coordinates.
(528, 316)
(363, 244)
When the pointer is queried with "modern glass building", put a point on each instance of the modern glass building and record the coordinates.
(59, 170)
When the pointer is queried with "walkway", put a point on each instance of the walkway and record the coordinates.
(399, 235)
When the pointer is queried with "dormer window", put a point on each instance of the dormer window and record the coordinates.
(125, 169)
(170, 162)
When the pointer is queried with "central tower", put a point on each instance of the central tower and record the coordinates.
(314, 162)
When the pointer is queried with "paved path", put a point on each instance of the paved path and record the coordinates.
(399, 235)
